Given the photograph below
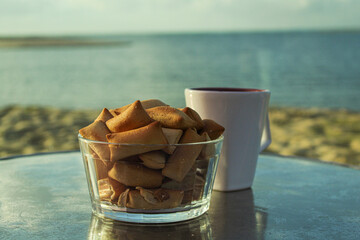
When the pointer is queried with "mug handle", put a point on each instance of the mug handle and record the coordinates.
(266, 136)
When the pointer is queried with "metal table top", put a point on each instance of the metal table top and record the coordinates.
(46, 197)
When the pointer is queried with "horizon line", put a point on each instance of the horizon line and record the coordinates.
(68, 34)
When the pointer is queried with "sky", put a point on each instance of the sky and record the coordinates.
(28, 17)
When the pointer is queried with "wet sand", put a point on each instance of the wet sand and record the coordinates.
(328, 135)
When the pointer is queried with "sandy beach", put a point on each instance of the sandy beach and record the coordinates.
(23, 42)
(327, 135)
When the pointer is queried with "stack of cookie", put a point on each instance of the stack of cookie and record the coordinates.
(148, 155)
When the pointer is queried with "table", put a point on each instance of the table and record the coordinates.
(45, 196)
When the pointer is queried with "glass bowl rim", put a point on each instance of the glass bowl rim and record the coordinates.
(218, 140)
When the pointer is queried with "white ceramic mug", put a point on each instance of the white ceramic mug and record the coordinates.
(244, 114)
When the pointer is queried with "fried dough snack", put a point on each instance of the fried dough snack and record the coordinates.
(194, 116)
(104, 115)
(138, 161)
(153, 160)
(146, 104)
(213, 129)
(97, 131)
(150, 134)
(181, 161)
(154, 199)
(133, 117)
(171, 117)
(134, 174)
(173, 136)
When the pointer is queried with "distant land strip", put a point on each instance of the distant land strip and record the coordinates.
(23, 42)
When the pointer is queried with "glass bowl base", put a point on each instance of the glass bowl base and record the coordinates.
(154, 217)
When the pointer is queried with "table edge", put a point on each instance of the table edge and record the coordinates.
(295, 158)
(36, 154)
(300, 158)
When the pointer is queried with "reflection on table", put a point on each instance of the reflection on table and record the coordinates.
(243, 221)
(101, 229)
(246, 222)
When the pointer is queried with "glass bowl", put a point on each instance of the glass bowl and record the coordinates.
(150, 183)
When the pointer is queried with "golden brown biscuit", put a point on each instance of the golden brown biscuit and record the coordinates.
(194, 116)
(104, 115)
(123, 198)
(113, 112)
(186, 185)
(145, 103)
(103, 151)
(173, 136)
(149, 196)
(150, 103)
(134, 174)
(208, 150)
(154, 159)
(97, 131)
(110, 190)
(150, 134)
(170, 117)
(132, 159)
(119, 110)
(165, 199)
(181, 161)
(212, 128)
(117, 189)
(95, 157)
(100, 168)
(105, 190)
(133, 117)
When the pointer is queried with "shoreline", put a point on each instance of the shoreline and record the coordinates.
(324, 134)
(40, 42)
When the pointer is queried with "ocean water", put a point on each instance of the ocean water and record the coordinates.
(305, 69)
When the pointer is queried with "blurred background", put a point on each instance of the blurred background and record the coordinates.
(61, 62)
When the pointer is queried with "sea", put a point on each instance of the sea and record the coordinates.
(301, 69)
